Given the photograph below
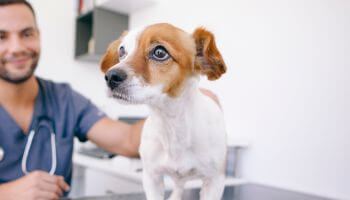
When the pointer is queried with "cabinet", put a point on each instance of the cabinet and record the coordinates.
(95, 30)
(124, 6)
(98, 27)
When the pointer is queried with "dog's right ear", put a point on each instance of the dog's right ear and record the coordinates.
(111, 56)
(208, 59)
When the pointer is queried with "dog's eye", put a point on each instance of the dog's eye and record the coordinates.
(122, 52)
(159, 53)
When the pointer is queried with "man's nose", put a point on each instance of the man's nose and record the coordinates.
(115, 77)
(16, 45)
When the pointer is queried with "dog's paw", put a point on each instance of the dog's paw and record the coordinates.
(174, 196)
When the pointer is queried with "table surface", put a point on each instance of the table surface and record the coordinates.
(241, 192)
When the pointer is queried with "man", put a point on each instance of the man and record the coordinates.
(32, 110)
(22, 98)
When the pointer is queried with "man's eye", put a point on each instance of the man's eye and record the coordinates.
(2, 36)
(28, 34)
(159, 53)
(122, 52)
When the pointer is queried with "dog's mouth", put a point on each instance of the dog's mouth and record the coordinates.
(134, 93)
(122, 96)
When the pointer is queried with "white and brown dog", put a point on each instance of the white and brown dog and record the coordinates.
(184, 136)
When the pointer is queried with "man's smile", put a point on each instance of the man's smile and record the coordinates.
(19, 62)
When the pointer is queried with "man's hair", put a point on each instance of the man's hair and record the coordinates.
(24, 2)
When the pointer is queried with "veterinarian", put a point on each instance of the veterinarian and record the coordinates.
(39, 118)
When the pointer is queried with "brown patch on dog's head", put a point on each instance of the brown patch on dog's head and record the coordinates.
(111, 56)
(208, 59)
(172, 72)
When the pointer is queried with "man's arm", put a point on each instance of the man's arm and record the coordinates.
(116, 136)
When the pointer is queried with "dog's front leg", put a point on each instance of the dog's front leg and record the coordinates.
(213, 188)
(178, 190)
(153, 185)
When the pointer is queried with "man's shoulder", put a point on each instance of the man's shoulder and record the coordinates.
(54, 85)
(60, 90)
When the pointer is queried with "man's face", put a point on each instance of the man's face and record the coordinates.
(19, 43)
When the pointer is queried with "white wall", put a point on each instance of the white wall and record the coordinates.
(287, 85)
(286, 89)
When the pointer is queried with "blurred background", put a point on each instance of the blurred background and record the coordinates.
(285, 95)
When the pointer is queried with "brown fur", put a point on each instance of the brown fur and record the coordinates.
(208, 59)
(170, 73)
(111, 57)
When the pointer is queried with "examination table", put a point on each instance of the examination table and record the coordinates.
(239, 192)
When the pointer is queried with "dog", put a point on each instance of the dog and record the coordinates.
(184, 136)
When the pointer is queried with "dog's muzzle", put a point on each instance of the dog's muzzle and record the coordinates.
(115, 77)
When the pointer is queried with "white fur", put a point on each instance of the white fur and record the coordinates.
(184, 138)
(135, 91)
(129, 42)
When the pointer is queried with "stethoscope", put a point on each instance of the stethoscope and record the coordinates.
(2, 154)
(44, 121)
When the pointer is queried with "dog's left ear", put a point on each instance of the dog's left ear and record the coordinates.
(208, 59)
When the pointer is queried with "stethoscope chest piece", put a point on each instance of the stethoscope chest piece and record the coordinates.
(2, 154)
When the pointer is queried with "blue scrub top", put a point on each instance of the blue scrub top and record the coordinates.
(73, 115)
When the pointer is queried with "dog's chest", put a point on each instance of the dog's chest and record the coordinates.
(170, 147)
(175, 145)
(184, 167)
(178, 158)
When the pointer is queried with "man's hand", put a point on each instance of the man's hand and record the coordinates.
(34, 186)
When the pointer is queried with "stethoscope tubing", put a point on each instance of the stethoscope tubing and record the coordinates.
(27, 149)
(30, 140)
(32, 134)
(2, 153)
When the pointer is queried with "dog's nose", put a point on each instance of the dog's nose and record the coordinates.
(115, 77)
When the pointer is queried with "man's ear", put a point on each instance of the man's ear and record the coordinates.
(111, 56)
(208, 59)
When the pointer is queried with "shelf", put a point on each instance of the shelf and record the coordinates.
(118, 166)
(89, 57)
(95, 30)
(123, 6)
(129, 169)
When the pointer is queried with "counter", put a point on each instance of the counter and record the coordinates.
(239, 192)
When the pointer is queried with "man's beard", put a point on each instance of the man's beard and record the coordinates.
(11, 78)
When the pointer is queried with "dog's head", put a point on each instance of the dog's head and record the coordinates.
(144, 64)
